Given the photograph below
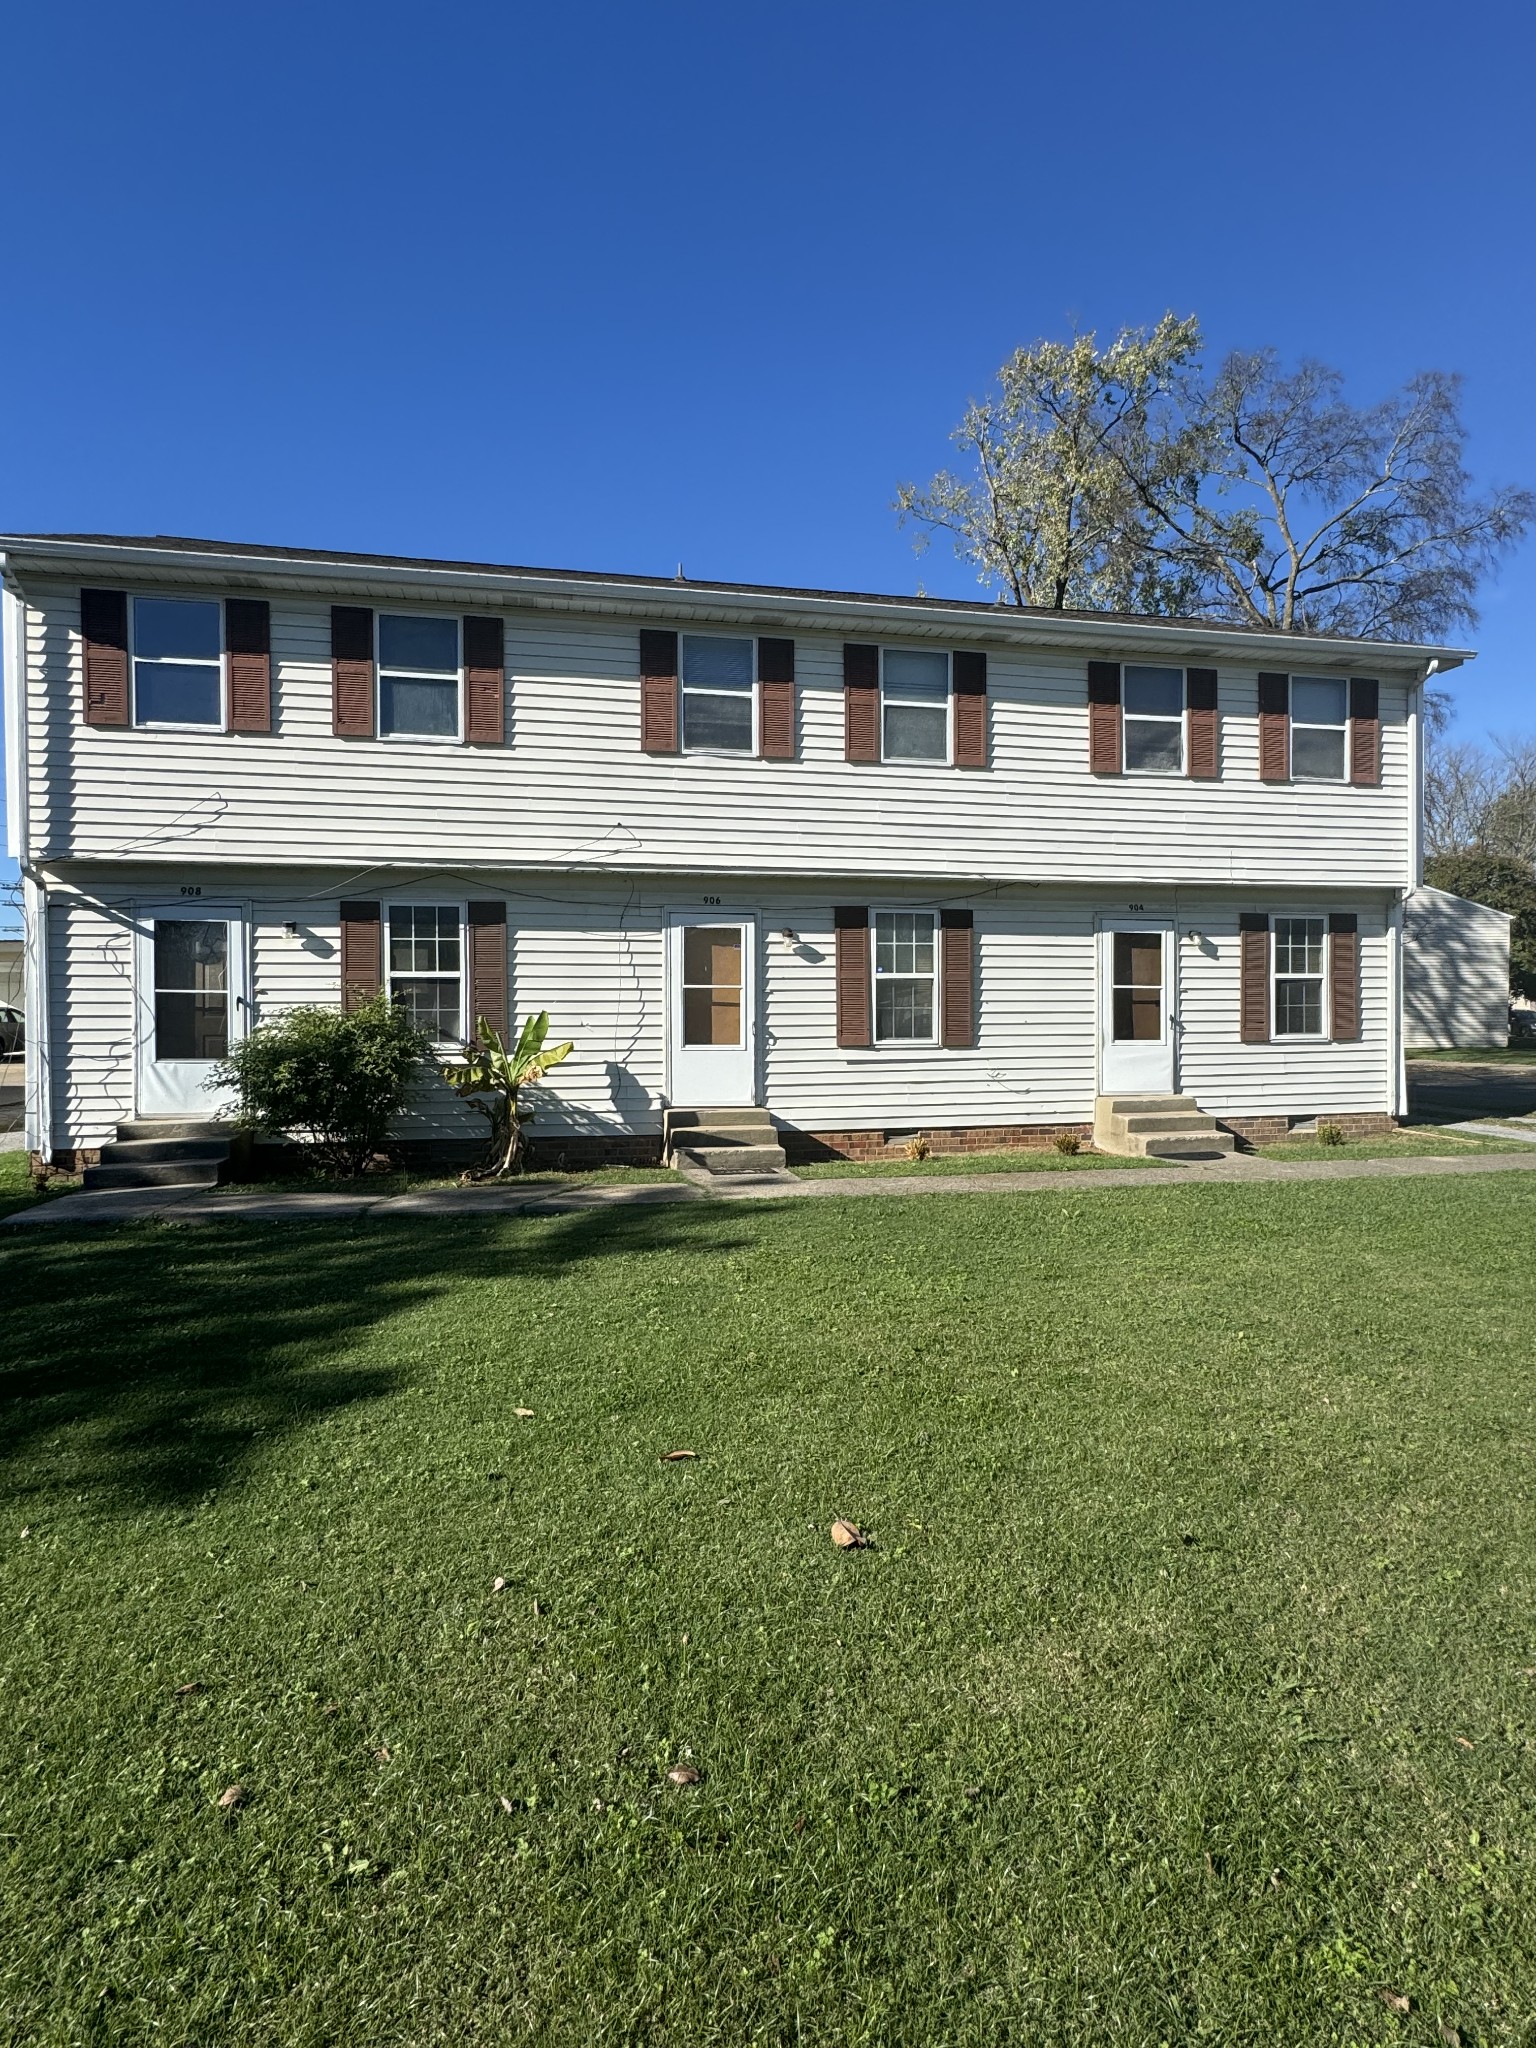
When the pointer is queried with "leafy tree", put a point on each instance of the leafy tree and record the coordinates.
(491, 1077)
(1253, 494)
(332, 1080)
(1506, 885)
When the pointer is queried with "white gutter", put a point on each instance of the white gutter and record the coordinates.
(39, 1065)
(12, 653)
(824, 611)
(1397, 1049)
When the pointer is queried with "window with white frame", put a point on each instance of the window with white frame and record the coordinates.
(178, 661)
(905, 972)
(1152, 701)
(717, 679)
(1319, 720)
(914, 704)
(426, 973)
(1300, 943)
(418, 677)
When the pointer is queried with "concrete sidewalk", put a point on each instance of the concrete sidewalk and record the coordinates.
(197, 1205)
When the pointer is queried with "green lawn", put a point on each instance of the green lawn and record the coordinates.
(1184, 1696)
(1476, 1055)
(1014, 1160)
(1403, 1144)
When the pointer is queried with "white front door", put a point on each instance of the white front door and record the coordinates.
(191, 1004)
(711, 1034)
(1135, 1006)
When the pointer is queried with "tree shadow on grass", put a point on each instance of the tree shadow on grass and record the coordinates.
(160, 1359)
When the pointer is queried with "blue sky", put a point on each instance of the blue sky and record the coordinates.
(623, 286)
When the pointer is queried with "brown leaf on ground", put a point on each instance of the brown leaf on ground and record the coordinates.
(1394, 2001)
(525, 1413)
(235, 1796)
(498, 1585)
(381, 1754)
(673, 1457)
(192, 1685)
(506, 1804)
(848, 1535)
(682, 1774)
(1450, 2035)
(1462, 1742)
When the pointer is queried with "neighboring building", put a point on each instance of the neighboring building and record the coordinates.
(1455, 970)
(12, 979)
(875, 863)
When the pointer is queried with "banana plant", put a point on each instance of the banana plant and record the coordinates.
(490, 1076)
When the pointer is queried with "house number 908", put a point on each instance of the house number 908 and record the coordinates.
(186, 890)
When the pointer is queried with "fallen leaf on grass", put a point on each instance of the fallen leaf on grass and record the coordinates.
(192, 1685)
(848, 1535)
(506, 1804)
(672, 1457)
(235, 1796)
(498, 1585)
(682, 1774)
(1451, 2036)
(525, 1413)
(381, 1754)
(1463, 1743)
(1394, 2001)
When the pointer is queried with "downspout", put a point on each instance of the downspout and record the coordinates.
(39, 1068)
(34, 894)
(1395, 917)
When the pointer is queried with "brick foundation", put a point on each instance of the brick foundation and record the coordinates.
(1270, 1130)
(801, 1147)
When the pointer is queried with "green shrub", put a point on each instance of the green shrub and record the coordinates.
(332, 1080)
(1067, 1143)
(1330, 1134)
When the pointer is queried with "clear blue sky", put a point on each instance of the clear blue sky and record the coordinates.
(619, 286)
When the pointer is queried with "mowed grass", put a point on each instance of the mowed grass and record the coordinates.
(1015, 1159)
(1184, 1695)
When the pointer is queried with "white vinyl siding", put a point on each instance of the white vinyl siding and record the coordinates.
(571, 788)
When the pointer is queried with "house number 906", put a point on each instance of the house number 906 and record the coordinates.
(711, 899)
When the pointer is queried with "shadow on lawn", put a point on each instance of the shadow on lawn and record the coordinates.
(160, 1359)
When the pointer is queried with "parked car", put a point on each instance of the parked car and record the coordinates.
(13, 1031)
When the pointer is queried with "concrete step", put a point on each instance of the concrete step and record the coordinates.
(730, 1159)
(150, 1151)
(1157, 1127)
(1146, 1121)
(159, 1173)
(173, 1128)
(725, 1134)
(1212, 1144)
(1134, 1105)
(729, 1113)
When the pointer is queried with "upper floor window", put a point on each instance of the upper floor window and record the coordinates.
(905, 967)
(914, 705)
(1319, 720)
(418, 677)
(426, 966)
(178, 667)
(1299, 977)
(717, 679)
(1153, 707)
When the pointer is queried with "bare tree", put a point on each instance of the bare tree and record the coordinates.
(1131, 477)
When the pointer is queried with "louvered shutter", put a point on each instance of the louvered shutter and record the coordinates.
(1104, 717)
(104, 632)
(1364, 731)
(776, 699)
(1344, 977)
(485, 679)
(487, 967)
(658, 692)
(1204, 724)
(970, 692)
(248, 651)
(1274, 728)
(362, 953)
(861, 702)
(1253, 1002)
(855, 1023)
(957, 978)
(352, 671)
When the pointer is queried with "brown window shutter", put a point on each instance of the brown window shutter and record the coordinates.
(362, 953)
(855, 1020)
(957, 978)
(488, 966)
(861, 706)
(1253, 947)
(248, 645)
(970, 692)
(1274, 728)
(658, 692)
(1204, 724)
(1344, 976)
(104, 630)
(776, 699)
(1364, 732)
(485, 676)
(352, 671)
(1104, 717)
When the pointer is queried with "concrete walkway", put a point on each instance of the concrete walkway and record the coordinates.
(196, 1205)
